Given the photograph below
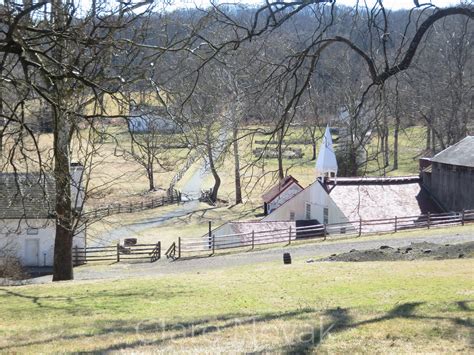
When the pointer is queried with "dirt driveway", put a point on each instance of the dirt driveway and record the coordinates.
(300, 253)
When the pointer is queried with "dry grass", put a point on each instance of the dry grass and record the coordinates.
(373, 307)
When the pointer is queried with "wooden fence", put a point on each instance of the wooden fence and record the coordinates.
(173, 197)
(117, 253)
(195, 246)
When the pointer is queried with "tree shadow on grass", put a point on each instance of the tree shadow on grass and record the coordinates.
(177, 330)
(153, 333)
(86, 302)
(340, 321)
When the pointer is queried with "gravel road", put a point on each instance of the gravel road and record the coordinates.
(299, 254)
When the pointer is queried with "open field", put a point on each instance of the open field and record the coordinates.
(117, 177)
(185, 224)
(326, 307)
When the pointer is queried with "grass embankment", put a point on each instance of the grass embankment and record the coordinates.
(330, 307)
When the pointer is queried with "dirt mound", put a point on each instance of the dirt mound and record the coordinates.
(414, 251)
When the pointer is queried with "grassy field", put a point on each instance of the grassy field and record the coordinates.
(301, 308)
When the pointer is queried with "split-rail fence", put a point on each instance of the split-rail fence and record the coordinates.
(190, 247)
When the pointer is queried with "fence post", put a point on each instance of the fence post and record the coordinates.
(253, 239)
(289, 236)
(159, 249)
(396, 224)
(118, 252)
(152, 203)
(462, 217)
(325, 232)
(162, 200)
(141, 205)
(130, 207)
(179, 247)
(429, 220)
(119, 206)
(209, 236)
(213, 244)
(108, 210)
(76, 255)
(360, 227)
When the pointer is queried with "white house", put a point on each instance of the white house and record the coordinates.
(27, 223)
(280, 193)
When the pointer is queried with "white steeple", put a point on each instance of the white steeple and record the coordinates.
(326, 164)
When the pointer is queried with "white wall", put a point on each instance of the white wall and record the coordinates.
(14, 236)
(283, 197)
(317, 196)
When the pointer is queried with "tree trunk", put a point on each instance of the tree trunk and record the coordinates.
(62, 269)
(149, 171)
(433, 141)
(428, 138)
(395, 142)
(217, 179)
(281, 173)
(238, 186)
(387, 148)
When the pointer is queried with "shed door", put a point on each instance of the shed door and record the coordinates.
(32, 252)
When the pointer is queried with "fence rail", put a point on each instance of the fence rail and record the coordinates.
(193, 246)
(116, 208)
(117, 253)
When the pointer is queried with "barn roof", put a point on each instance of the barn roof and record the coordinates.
(461, 153)
(377, 198)
(276, 190)
(28, 196)
(247, 227)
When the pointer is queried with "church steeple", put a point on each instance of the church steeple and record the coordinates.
(326, 164)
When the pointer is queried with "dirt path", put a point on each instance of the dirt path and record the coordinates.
(299, 254)
(191, 191)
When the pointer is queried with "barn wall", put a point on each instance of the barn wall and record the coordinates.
(14, 234)
(283, 197)
(453, 186)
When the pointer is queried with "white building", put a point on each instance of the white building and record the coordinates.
(330, 200)
(280, 193)
(27, 223)
(333, 200)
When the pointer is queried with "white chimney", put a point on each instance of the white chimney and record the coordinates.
(77, 189)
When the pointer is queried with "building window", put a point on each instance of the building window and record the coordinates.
(32, 231)
(292, 215)
(326, 215)
(308, 211)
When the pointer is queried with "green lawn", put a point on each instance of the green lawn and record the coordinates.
(422, 306)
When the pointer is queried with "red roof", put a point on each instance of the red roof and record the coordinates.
(276, 190)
